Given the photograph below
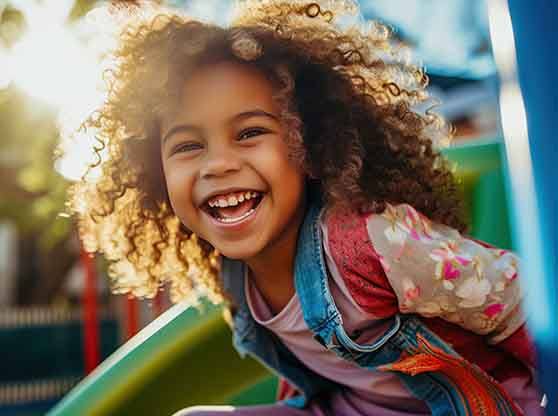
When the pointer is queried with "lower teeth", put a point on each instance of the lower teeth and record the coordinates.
(228, 220)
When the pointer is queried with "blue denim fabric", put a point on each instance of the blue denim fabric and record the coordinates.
(324, 320)
(250, 338)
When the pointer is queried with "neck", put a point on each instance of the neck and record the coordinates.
(272, 270)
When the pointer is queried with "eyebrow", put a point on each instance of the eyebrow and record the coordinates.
(238, 117)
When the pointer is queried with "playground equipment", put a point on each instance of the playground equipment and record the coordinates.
(521, 36)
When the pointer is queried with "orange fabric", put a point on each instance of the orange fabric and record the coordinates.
(479, 391)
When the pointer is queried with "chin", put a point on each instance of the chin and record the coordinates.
(238, 253)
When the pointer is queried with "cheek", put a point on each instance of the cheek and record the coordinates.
(286, 179)
(275, 157)
(179, 187)
(295, 182)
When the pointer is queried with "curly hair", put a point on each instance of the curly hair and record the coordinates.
(347, 96)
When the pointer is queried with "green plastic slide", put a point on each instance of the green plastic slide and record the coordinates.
(185, 357)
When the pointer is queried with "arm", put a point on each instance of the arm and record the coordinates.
(436, 272)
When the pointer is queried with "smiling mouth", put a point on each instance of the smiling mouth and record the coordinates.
(233, 207)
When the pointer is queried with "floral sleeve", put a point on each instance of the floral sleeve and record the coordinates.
(436, 272)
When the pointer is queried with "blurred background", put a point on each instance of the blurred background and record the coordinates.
(58, 320)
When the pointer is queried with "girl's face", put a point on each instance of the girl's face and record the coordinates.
(226, 163)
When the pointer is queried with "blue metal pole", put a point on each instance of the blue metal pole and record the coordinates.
(533, 164)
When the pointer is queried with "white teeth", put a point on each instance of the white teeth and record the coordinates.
(232, 200)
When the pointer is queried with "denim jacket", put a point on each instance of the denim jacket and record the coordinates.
(449, 385)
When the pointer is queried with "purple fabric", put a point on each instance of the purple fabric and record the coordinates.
(342, 403)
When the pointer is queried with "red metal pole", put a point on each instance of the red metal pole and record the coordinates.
(132, 323)
(92, 356)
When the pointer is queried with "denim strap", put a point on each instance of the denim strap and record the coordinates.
(312, 285)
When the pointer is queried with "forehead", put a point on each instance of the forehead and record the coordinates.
(217, 91)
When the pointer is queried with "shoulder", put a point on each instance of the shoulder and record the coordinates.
(348, 240)
(357, 261)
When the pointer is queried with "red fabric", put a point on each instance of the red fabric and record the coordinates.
(285, 390)
(359, 265)
(520, 344)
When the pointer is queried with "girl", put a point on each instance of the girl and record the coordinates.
(279, 165)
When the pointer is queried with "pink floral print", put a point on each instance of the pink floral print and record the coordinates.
(436, 272)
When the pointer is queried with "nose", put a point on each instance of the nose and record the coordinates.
(220, 161)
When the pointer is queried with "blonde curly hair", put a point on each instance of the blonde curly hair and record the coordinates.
(346, 94)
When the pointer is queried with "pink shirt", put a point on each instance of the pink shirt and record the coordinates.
(367, 393)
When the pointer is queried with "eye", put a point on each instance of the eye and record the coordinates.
(186, 147)
(251, 132)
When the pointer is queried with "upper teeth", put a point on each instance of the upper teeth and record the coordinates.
(223, 201)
